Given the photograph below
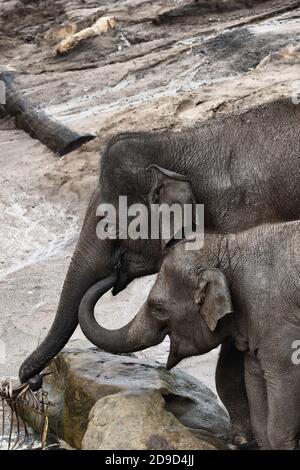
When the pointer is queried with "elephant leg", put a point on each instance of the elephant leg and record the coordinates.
(230, 383)
(258, 400)
(283, 412)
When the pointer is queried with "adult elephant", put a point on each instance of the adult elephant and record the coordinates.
(243, 168)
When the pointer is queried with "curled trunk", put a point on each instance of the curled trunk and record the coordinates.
(37, 124)
(140, 333)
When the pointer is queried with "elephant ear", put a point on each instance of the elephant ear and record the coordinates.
(171, 189)
(213, 296)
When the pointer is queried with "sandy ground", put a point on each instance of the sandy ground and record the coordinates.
(159, 69)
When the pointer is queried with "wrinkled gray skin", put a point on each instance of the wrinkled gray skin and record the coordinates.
(245, 169)
(243, 288)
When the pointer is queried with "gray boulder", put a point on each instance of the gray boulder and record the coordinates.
(83, 376)
(139, 421)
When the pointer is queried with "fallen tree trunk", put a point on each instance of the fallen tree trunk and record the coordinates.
(37, 124)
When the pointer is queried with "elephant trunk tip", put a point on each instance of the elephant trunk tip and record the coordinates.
(35, 381)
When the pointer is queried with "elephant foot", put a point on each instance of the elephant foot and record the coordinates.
(251, 445)
(241, 443)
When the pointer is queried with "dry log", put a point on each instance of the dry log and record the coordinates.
(37, 124)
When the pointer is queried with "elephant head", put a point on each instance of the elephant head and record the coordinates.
(187, 303)
(112, 262)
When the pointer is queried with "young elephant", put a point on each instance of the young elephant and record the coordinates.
(243, 288)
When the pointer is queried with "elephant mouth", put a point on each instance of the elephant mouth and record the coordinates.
(171, 362)
(180, 349)
(173, 357)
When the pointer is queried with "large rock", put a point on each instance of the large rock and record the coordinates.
(83, 376)
(139, 421)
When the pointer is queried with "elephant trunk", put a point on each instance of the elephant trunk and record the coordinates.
(91, 261)
(37, 124)
(140, 333)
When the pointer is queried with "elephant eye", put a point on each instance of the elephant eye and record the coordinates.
(159, 313)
